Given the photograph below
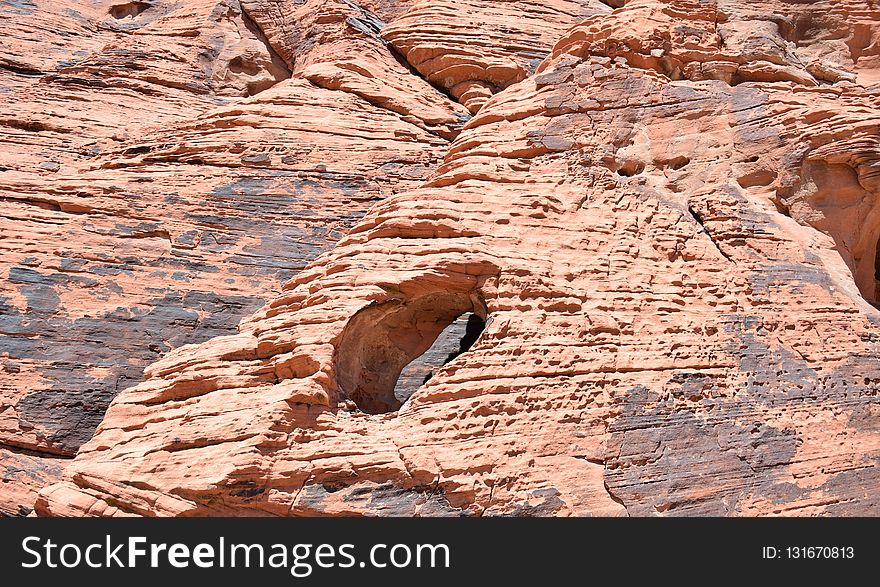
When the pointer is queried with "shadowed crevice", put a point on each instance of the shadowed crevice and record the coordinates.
(455, 339)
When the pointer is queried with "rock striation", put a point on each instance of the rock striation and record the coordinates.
(157, 183)
(475, 48)
(625, 257)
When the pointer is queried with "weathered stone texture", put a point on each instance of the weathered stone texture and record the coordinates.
(158, 182)
(664, 211)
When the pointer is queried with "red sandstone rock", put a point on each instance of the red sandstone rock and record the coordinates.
(157, 183)
(669, 231)
(474, 48)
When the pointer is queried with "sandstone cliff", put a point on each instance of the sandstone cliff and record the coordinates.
(655, 223)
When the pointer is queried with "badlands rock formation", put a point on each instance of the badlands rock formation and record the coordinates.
(654, 224)
(159, 178)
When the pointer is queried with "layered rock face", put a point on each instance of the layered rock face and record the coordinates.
(163, 170)
(658, 247)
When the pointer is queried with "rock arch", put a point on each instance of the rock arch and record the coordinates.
(382, 339)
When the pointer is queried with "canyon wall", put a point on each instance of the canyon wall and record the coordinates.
(657, 219)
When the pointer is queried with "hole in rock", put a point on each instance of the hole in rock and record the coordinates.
(675, 163)
(244, 65)
(139, 150)
(457, 338)
(390, 349)
(129, 10)
(756, 178)
(630, 168)
(678, 162)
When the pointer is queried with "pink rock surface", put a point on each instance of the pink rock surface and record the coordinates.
(669, 231)
(157, 182)
(474, 48)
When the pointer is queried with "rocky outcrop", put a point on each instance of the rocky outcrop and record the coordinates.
(474, 48)
(489, 258)
(161, 177)
(669, 233)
